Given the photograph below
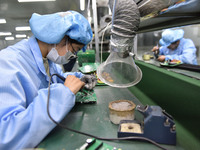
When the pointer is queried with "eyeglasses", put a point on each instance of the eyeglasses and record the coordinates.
(174, 43)
(74, 51)
(74, 56)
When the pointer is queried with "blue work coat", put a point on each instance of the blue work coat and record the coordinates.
(23, 96)
(185, 52)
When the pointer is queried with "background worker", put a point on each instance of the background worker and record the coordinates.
(25, 73)
(175, 47)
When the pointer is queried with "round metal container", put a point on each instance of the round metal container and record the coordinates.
(146, 57)
(121, 110)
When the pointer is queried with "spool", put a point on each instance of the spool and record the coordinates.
(121, 110)
(146, 57)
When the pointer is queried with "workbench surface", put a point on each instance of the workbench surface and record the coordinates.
(94, 119)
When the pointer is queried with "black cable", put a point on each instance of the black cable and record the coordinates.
(99, 138)
(139, 2)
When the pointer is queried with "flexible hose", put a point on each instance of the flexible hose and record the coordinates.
(125, 23)
(126, 17)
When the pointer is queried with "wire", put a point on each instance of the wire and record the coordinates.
(139, 2)
(113, 14)
(102, 39)
(104, 27)
(88, 6)
(96, 137)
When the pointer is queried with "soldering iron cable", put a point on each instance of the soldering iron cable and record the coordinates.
(90, 135)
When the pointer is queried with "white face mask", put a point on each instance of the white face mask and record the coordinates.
(55, 57)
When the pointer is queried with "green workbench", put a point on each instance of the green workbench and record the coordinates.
(179, 95)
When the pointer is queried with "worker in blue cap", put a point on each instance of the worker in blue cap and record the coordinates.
(175, 47)
(25, 73)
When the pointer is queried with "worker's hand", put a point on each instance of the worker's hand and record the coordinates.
(73, 83)
(90, 81)
(155, 49)
(161, 58)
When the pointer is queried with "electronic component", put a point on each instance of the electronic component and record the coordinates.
(86, 96)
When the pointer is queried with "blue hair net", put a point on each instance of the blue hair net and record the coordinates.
(169, 36)
(51, 28)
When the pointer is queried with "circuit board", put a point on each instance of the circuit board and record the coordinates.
(94, 144)
(86, 96)
(89, 67)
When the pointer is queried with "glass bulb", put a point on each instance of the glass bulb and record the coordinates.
(119, 71)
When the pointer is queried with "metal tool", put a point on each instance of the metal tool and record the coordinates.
(94, 144)
(157, 125)
(83, 96)
(63, 78)
(88, 143)
(156, 53)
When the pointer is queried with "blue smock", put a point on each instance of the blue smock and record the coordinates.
(185, 52)
(24, 121)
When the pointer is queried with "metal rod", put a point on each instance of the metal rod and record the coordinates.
(94, 6)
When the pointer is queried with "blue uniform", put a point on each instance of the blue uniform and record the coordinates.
(185, 52)
(23, 96)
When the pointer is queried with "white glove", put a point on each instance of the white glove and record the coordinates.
(90, 81)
